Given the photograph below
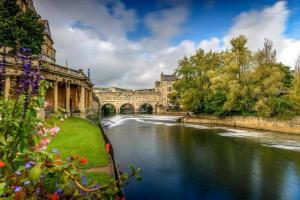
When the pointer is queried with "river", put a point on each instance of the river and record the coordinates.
(186, 161)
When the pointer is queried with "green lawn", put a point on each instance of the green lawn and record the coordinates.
(81, 137)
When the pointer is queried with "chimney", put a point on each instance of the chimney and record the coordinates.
(89, 75)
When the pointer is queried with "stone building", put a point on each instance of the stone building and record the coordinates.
(48, 51)
(165, 86)
(26, 5)
(71, 91)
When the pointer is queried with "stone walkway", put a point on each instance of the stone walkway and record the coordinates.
(107, 169)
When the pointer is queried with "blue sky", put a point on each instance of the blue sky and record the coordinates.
(129, 43)
(211, 18)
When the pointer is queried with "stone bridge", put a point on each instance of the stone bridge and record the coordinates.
(136, 99)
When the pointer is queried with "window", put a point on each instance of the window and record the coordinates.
(169, 89)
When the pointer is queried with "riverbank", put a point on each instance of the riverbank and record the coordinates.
(80, 137)
(267, 124)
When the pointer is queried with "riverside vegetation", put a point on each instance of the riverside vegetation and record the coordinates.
(238, 81)
(28, 168)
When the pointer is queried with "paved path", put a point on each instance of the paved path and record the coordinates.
(108, 169)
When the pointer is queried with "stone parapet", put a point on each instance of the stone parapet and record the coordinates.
(267, 124)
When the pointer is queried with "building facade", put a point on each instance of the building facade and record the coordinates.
(48, 51)
(165, 86)
(26, 5)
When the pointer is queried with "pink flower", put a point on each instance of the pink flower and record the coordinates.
(45, 142)
(54, 130)
(40, 132)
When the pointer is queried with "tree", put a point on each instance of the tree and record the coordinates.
(236, 63)
(238, 82)
(294, 93)
(20, 29)
(268, 79)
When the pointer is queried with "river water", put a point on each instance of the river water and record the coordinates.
(186, 161)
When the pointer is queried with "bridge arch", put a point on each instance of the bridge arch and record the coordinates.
(127, 108)
(108, 108)
(146, 108)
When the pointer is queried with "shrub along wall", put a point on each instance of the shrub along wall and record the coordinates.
(268, 124)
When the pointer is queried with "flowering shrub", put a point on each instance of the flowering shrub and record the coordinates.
(27, 169)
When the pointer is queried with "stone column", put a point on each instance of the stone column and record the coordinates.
(67, 97)
(82, 101)
(55, 96)
(91, 99)
(7, 86)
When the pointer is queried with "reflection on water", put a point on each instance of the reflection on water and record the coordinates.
(182, 161)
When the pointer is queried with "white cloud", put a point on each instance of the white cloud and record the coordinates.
(290, 52)
(212, 44)
(258, 25)
(102, 43)
(268, 23)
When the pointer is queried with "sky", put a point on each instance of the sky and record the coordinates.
(129, 43)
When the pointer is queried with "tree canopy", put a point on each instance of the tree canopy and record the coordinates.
(237, 81)
(20, 29)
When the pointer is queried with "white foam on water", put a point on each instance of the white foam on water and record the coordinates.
(288, 145)
(197, 126)
(264, 138)
(119, 120)
(242, 134)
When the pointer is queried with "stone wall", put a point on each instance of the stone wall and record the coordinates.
(267, 124)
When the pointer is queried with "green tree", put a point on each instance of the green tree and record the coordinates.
(268, 79)
(294, 93)
(193, 85)
(237, 82)
(236, 77)
(20, 29)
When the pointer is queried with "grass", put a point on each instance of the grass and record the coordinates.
(80, 137)
(98, 177)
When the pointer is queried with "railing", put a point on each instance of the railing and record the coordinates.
(64, 70)
(12, 60)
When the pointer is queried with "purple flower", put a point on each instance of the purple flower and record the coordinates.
(84, 180)
(18, 189)
(18, 173)
(27, 182)
(95, 186)
(54, 151)
(59, 191)
(31, 162)
(38, 190)
(26, 50)
(28, 165)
